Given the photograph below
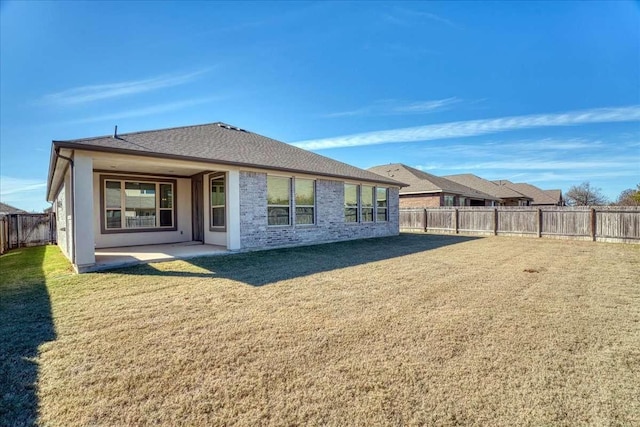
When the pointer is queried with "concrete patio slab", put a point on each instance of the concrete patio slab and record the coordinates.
(125, 256)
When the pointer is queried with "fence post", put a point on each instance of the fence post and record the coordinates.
(539, 222)
(455, 219)
(424, 211)
(495, 221)
(593, 224)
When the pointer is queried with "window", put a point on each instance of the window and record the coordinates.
(351, 203)
(113, 202)
(366, 203)
(448, 200)
(382, 204)
(166, 205)
(305, 196)
(218, 203)
(278, 200)
(462, 201)
(138, 204)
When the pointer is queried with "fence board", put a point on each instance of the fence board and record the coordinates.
(572, 222)
(413, 219)
(476, 220)
(618, 224)
(440, 219)
(19, 230)
(518, 221)
(605, 223)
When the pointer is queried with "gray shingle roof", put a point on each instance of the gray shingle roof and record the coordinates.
(224, 144)
(8, 209)
(539, 196)
(556, 195)
(423, 182)
(486, 186)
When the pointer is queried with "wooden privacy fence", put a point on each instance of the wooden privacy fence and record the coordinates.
(19, 230)
(601, 223)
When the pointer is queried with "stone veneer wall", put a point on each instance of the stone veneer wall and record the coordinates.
(330, 226)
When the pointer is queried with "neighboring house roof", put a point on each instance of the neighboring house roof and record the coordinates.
(423, 182)
(8, 209)
(556, 195)
(222, 144)
(486, 186)
(539, 196)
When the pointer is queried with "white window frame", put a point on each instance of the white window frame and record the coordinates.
(213, 177)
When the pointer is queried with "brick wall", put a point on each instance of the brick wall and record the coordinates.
(330, 225)
(420, 200)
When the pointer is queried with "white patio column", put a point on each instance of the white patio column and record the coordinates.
(233, 200)
(83, 213)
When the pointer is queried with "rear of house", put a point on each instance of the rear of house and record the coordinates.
(215, 184)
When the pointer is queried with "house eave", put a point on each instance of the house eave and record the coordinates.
(56, 145)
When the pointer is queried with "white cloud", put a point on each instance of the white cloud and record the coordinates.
(392, 107)
(85, 94)
(544, 164)
(573, 177)
(10, 185)
(147, 111)
(409, 17)
(426, 106)
(476, 127)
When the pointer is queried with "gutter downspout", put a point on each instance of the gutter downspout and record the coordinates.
(73, 203)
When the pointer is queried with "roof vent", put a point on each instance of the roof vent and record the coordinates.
(226, 126)
(115, 133)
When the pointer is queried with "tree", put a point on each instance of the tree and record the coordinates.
(629, 197)
(585, 195)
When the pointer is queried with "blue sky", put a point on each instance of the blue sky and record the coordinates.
(540, 92)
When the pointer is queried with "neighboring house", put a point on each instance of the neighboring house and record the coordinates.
(213, 183)
(426, 190)
(540, 197)
(8, 210)
(556, 196)
(507, 196)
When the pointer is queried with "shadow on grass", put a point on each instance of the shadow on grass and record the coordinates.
(25, 323)
(270, 266)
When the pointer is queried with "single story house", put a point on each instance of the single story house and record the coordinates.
(6, 209)
(506, 195)
(425, 190)
(212, 183)
(540, 197)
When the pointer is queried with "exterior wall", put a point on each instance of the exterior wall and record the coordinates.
(431, 200)
(330, 225)
(83, 210)
(183, 215)
(515, 202)
(62, 208)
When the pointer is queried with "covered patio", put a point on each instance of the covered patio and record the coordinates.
(125, 256)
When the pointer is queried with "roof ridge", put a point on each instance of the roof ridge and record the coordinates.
(148, 131)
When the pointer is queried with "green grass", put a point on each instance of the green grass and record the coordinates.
(413, 330)
(25, 323)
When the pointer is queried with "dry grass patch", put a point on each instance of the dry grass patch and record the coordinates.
(418, 329)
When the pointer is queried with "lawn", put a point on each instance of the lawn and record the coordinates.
(411, 330)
